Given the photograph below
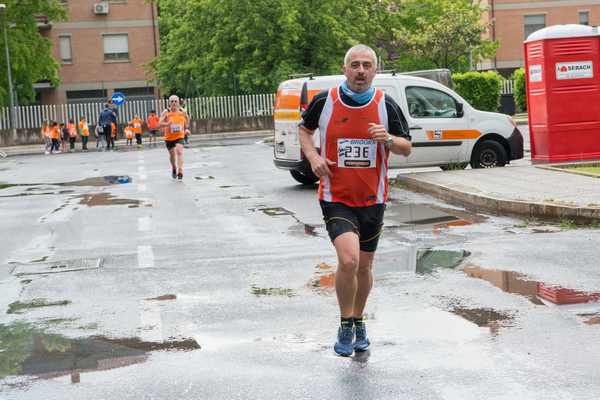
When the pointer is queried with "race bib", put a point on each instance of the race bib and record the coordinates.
(176, 128)
(357, 153)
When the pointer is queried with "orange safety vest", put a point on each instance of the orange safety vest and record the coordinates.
(153, 122)
(55, 133)
(129, 133)
(113, 132)
(176, 129)
(84, 129)
(46, 131)
(359, 176)
(137, 125)
(72, 130)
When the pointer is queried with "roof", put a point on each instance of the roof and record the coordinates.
(563, 31)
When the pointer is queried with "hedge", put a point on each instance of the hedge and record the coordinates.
(480, 89)
(520, 92)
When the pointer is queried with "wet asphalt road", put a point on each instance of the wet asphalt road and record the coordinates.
(220, 287)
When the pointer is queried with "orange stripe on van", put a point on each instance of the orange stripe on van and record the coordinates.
(287, 115)
(287, 98)
(449, 134)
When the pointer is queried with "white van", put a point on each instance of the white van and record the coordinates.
(446, 131)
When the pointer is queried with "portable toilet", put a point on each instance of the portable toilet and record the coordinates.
(562, 65)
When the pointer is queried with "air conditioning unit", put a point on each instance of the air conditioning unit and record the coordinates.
(101, 8)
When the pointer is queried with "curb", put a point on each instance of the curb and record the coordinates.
(478, 202)
(12, 151)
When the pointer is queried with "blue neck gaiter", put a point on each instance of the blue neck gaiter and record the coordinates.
(359, 98)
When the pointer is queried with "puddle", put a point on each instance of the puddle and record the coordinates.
(31, 351)
(240, 197)
(31, 192)
(425, 216)
(275, 211)
(428, 260)
(39, 259)
(164, 297)
(593, 319)
(484, 317)
(323, 282)
(302, 229)
(203, 178)
(259, 292)
(107, 199)
(536, 292)
(96, 181)
(232, 186)
(18, 307)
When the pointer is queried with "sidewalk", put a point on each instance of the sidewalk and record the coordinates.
(29, 149)
(520, 190)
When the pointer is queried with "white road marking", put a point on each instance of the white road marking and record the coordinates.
(145, 257)
(142, 186)
(143, 177)
(144, 224)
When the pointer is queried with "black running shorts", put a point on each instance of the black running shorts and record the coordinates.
(366, 222)
(171, 143)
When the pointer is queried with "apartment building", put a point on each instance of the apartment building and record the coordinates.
(103, 47)
(512, 21)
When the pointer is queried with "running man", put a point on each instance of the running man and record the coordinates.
(174, 121)
(359, 127)
(153, 123)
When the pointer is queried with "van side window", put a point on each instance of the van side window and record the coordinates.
(424, 102)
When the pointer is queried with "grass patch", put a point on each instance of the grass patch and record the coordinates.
(567, 224)
(19, 308)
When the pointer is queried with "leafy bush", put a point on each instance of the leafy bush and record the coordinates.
(520, 92)
(480, 89)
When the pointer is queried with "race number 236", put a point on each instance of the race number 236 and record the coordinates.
(357, 153)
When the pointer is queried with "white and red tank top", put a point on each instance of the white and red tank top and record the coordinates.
(359, 176)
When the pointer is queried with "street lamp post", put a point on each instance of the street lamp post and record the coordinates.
(13, 117)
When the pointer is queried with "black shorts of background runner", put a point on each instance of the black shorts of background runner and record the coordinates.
(171, 143)
(366, 222)
(153, 132)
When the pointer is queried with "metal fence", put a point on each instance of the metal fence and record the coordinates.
(508, 86)
(28, 117)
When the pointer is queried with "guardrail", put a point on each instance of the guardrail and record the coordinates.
(221, 107)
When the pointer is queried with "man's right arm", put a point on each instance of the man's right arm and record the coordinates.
(306, 129)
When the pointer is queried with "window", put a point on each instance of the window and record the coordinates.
(534, 23)
(425, 102)
(64, 45)
(137, 93)
(584, 17)
(86, 96)
(116, 47)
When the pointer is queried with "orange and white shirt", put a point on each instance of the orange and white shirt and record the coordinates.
(129, 132)
(359, 176)
(136, 123)
(84, 129)
(153, 122)
(177, 123)
(55, 133)
(72, 130)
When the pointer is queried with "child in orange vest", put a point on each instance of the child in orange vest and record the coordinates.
(136, 125)
(46, 137)
(129, 134)
(84, 131)
(72, 134)
(54, 137)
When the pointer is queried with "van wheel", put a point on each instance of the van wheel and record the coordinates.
(304, 178)
(454, 166)
(488, 154)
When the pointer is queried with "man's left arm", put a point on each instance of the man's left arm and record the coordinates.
(398, 138)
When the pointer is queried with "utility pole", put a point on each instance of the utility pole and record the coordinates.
(13, 117)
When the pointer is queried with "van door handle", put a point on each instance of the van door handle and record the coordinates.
(414, 128)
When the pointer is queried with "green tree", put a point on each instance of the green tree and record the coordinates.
(30, 52)
(217, 47)
(441, 34)
(520, 91)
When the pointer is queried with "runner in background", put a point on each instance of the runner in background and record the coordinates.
(153, 123)
(84, 131)
(174, 121)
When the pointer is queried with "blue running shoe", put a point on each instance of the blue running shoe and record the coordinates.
(362, 341)
(343, 345)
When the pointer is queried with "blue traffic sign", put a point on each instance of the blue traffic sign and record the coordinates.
(118, 98)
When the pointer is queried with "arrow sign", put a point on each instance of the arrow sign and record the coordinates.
(118, 98)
